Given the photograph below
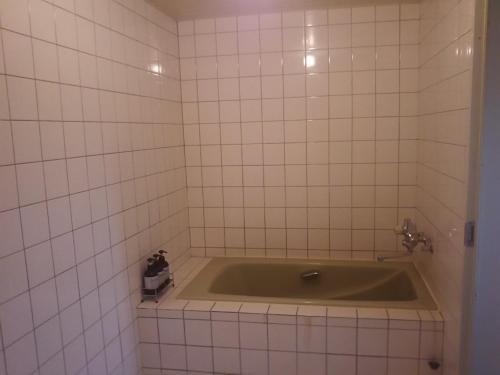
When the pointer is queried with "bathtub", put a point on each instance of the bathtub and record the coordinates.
(281, 316)
(337, 283)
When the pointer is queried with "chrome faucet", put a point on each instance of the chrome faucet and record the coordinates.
(411, 238)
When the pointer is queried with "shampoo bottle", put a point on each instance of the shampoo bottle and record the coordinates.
(159, 269)
(151, 279)
(164, 262)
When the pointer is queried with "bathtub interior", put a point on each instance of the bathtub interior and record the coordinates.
(341, 283)
(347, 282)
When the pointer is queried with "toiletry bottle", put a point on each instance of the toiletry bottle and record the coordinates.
(151, 279)
(166, 266)
(159, 268)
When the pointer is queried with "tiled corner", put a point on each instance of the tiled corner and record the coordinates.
(443, 153)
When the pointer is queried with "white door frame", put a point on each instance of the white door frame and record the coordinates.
(481, 341)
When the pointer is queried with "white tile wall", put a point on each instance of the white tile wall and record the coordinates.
(300, 130)
(445, 75)
(92, 178)
(300, 133)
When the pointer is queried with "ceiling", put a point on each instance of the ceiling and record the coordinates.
(190, 9)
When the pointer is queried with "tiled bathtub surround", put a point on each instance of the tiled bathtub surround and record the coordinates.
(300, 130)
(445, 84)
(92, 178)
(180, 337)
(252, 338)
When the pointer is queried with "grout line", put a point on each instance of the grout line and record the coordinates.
(179, 73)
(2, 343)
(351, 158)
(75, 266)
(106, 190)
(262, 144)
(399, 163)
(202, 186)
(33, 332)
(94, 55)
(285, 127)
(241, 137)
(307, 123)
(220, 146)
(331, 251)
(285, 152)
(310, 73)
(373, 235)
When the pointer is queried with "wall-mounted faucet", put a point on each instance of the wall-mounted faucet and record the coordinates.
(411, 238)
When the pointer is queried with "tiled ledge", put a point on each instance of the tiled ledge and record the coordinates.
(295, 314)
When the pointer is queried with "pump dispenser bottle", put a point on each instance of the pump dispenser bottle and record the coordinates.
(165, 265)
(151, 278)
(157, 276)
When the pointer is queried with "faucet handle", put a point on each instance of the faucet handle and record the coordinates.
(426, 242)
(399, 229)
(406, 228)
(402, 229)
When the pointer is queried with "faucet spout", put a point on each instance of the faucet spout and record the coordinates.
(381, 259)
